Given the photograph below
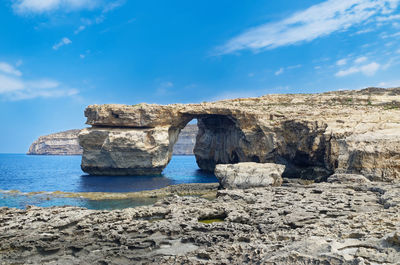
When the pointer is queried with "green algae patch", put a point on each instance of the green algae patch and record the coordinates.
(214, 218)
(210, 221)
(208, 190)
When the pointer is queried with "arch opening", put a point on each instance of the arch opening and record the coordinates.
(219, 140)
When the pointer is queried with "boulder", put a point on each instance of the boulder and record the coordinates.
(347, 178)
(249, 175)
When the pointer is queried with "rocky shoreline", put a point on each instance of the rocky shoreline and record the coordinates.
(206, 190)
(321, 223)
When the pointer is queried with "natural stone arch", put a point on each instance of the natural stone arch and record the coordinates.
(139, 140)
(299, 131)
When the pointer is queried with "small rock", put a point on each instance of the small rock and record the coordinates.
(347, 178)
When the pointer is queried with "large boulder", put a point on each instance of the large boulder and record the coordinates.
(249, 175)
(125, 151)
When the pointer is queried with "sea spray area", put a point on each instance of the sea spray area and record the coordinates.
(57, 180)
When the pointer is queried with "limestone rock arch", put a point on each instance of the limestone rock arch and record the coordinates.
(312, 135)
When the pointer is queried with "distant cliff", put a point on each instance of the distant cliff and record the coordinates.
(62, 143)
(66, 143)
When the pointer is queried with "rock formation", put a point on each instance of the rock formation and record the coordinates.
(313, 135)
(62, 143)
(249, 175)
(66, 143)
(322, 223)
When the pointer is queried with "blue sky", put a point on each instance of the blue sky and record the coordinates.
(58, 56)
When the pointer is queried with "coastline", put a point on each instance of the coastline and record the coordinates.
(320, 223)
(206, 190)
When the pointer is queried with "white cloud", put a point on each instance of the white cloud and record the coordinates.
(14, 87)
(388, 18)
(389, 84)
(283, 69)
(341, 62)
(9, 84)
(44, 6)
(294, 66)
(113, 5)
(386, 36)
(368, 70)
(398, 51)
(19, 63)
(360, 60)
(246, 93)
(81, 28)
(164, 87)
(62, 42)
(317, 21)
(100, 18)
(9, 69)
(280, 71)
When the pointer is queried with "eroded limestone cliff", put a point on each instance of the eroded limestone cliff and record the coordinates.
(313, 135)
(62, 143)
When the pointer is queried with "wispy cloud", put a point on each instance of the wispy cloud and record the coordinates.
(164, 88)
(280, 71)
(317, 21)
(100, 18)
(361, 59)
(367, 69)
(64, 41)
(45, 6)
(246, 93)
(14, 87)
(341, 62)
(9, 69)
(284, 69)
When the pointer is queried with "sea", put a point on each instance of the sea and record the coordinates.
(29, 179)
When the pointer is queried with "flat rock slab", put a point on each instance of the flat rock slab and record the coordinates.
(249, 175)
(320, 223)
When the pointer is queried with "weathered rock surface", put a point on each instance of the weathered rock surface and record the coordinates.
(249, 175)
(62, 143)
(292, 224)
(314, 135)
(347, 178)
(66, 143)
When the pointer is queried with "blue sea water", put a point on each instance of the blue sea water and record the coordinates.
(62, 173)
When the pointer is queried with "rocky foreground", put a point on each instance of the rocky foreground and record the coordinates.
(342, 222)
